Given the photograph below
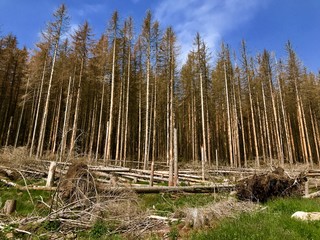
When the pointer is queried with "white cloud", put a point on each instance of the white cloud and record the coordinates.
(211, 18)
(87, 9)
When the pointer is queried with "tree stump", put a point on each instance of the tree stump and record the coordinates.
(51, 174)
(9, 206)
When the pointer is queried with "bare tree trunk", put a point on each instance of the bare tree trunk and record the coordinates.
(172, 119)
(257, 162)
(175, 140)
(140, 127)
(76, 112)
(315, 137)
(192, 131)
(108, 153)
(65, 123)
(286, 125)
(125, 148)
(106, 144)
(100, 122)
(93, 127)
(146, 142)
(261, 128)
(307, 135)
(242, 126)
(38, 108)
(119, 124)
(302, 132)
(154, 122)
(21, 115)
(276, 120)
(33, 114)
(8, 132)
(208, 138)
(56, 124)
(46, 108)
(203, 120)
(203, 163)
(231, 160)
(236, 139)
(168, 125)
(267, 124)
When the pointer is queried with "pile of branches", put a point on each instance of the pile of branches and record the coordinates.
(262, 187)
(80, 203)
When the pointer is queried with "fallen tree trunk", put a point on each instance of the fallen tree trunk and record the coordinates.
(312, 195)
(25, 188)
(188, 189)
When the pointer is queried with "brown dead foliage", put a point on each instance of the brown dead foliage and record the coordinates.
(262, 187)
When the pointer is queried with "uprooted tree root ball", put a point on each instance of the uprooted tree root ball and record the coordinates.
(260, 188)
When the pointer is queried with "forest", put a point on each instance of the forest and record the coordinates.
(123, 97)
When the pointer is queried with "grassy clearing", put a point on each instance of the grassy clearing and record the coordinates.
(25, 203)
(272, 223)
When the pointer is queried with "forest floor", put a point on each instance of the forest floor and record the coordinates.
(106, 202)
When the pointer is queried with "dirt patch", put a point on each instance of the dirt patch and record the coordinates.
(260, 188)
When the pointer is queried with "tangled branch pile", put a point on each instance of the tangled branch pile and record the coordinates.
(81, 203)
(260, 188)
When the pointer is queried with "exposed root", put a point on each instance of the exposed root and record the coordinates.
(260, 188)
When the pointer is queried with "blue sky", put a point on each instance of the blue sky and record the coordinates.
(262, 23)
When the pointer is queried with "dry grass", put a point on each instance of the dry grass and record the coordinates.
(214, 212)
(13, 157)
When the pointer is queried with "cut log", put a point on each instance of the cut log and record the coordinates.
(9, 206)
(161, 218)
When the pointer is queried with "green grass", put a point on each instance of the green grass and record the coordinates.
(273, 223)
(24, 203)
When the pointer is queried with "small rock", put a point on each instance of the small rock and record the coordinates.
(71, 235)
(306, 216)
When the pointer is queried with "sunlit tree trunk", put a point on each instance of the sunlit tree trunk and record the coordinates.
(55, 29)
(114, 29)
(21, 114)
